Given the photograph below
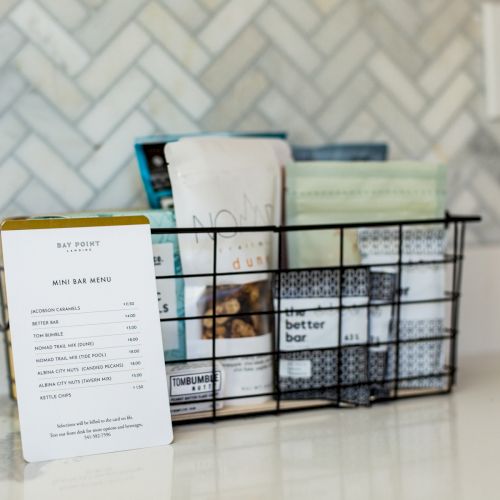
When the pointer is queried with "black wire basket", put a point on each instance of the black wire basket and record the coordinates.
(417, 357)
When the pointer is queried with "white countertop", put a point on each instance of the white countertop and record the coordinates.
(445, 447)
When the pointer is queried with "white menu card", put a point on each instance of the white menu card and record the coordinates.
(86, 338)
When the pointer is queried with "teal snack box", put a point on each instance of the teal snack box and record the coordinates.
(154, 169)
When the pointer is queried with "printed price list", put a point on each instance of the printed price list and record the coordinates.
(79, 349)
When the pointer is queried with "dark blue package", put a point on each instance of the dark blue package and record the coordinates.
(154, 168)
(342, 152)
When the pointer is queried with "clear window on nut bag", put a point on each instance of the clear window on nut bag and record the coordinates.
(241, 311)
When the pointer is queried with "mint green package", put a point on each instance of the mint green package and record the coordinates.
(167, 263)
(345, 192)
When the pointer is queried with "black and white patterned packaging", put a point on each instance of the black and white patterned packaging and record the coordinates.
(311, 364)
(421, 359)
(382, 294)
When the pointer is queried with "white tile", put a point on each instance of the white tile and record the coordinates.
(10, 41)
(449, 103)
(140, 202)
(116, 151)
(12, 85)
(456, 136)
(169, 118)
(37, 199)
(50, 125)
(188, 11)
(445, 64)
(211, 4)
(236, 101)
(70, 13)
(12, 131)
(282, 114)
(113, 60)
(114, 106)
(289, 39)
(488, 188)
(232, 61)
(361, 128)
(404, 51)
(290, 81)
(396, 82)
(5, 5)
(13, 210)
(474, 64)
(174, 37)
(36, 24)
(304, 16)
(53, 172)
(344, 63)
(105, 21)
(326, 6)
(464, 203)
(121, 191)
(443, 25)
(92, 4)
(345, 105)
(473, 27)
(429, 7)
(400, 126)
(227, 23)
(404, 14)
(254, 121)
(12, 178)
(337, 27)
(181, 86)
(433, 156)
(49, 80)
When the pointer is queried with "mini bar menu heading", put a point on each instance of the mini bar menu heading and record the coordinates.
(86, 336)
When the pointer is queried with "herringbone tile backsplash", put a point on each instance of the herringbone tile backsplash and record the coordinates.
(79, 79)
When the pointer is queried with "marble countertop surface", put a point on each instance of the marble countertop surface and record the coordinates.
(445, 447)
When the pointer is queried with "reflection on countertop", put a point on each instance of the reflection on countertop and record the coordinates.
(436, 447)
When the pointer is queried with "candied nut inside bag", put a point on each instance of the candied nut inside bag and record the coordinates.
(238, 312)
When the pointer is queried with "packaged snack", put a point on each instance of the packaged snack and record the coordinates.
(334, 192)
(418, 282)
(342, 152)
(307, 373)
(191, 386)
(228, 182)
(337, 192)
(154, 168)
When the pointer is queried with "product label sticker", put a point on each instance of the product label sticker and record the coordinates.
(190, 384)
(296, 368)
(86, 336)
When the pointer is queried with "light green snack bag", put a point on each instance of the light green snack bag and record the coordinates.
(345, 192)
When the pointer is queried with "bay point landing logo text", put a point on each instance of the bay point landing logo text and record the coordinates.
(78, 245)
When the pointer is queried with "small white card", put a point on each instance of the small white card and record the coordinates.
(86, 337)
